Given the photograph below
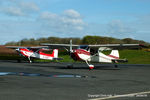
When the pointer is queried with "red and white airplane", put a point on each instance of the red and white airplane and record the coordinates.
(35, 52)
(93, 53)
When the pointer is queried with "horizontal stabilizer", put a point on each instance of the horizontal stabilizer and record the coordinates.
(57, 58)
(119, 60)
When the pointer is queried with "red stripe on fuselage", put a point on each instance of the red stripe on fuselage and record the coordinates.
(44, 54)
(40, 53)
(81, 51)
(113, 56)
(25, 50)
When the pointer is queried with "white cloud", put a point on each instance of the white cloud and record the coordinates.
(48, 16)
(47, 24)
(14, 11)
(18, 8)
(72, 13)
(72, 21)
(69, 22)
(29, 6)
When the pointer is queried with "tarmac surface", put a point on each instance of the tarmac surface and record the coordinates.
(53, 81)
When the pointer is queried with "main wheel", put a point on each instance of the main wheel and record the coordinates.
(19, 60)
(70, 66)
(116, 66)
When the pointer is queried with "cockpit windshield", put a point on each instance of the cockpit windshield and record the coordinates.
(85, 47)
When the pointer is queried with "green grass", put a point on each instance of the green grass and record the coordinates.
(133, 56)
(66, 58)
(136, 56)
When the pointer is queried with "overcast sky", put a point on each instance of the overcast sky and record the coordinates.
(20, 19)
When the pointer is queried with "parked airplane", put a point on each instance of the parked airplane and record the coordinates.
(36, 52)
(93, 53)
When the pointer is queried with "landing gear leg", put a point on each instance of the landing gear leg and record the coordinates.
(29, 60)
(90, 65)
(116, 66)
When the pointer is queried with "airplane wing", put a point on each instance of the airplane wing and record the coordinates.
(117, 46)
(110, 46)
(16, 47)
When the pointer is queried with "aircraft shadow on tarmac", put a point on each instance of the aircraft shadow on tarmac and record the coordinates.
(11, 61)
(60, 65)
(75, 66)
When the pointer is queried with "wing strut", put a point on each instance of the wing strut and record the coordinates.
(29, 59)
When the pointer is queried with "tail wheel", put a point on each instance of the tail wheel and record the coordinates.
(116, 66)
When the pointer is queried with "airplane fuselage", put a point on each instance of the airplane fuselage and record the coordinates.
(84, 55)
(39, 54)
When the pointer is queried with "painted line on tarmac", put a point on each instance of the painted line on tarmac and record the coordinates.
(138, 94)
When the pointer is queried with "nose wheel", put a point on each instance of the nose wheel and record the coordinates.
(29, 59)
(90, 65)
(116, 66)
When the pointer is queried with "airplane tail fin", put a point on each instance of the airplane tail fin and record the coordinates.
(114, 54)
(55, 53)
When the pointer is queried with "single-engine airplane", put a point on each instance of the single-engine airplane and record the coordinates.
(35, 53)
(93, 53)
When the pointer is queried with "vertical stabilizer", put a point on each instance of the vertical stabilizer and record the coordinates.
(114, 54)
(55, 52)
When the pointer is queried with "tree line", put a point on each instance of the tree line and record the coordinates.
(85, 40)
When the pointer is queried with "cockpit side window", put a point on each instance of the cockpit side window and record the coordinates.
(93, 51)
(32, 49)
(85, 47)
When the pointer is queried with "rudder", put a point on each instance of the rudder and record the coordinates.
(115, 54)
(55, 53)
